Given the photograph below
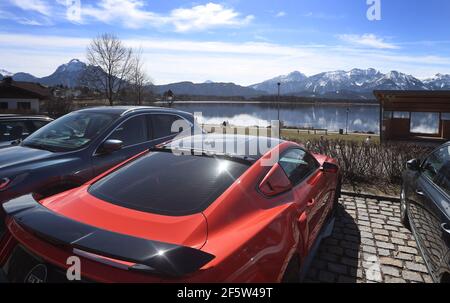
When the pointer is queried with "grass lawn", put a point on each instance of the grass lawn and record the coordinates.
(293, 134)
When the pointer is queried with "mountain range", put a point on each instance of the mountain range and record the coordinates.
(354, 84)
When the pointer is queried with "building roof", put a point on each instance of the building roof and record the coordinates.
(414, 100)
(19, 89)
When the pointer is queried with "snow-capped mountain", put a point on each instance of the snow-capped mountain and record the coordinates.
(290, 83)
(360, 81)
(67, 74)
(438, 82)
(355, 83)
(399, 81)
(5, 73)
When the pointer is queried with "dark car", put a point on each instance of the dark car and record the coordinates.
(425, 209)
(78, 146)
(14, 128)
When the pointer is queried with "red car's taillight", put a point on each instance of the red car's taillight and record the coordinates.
(4, 182)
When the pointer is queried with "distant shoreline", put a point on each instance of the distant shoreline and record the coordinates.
(335, 103)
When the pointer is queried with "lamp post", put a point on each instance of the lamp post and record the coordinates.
(346, 122)
(278, 101)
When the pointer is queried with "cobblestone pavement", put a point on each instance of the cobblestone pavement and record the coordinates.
(368, 244)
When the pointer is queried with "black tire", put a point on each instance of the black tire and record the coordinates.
(403, 210)
(292, 272)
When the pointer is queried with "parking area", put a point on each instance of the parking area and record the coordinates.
(368, 244)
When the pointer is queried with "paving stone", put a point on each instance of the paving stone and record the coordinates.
(397, 241)
(350, 261)
(365, 229)
(364, 223)
(394, 280)
(403, 256)
(351, 231)
(326, 277)
(330, 241)
(411, 243)
(382, 238)
(375, 220)
(376, 225)
(365, 234)
(392, 262)
(385, 245)
(391, 228)
(329, 257)
(368, 245)
(427, 279)
(337, 268)
(350, 245)
(411, 276)
(390, 270)
(335, 250)
(394, 223)
(366, 241)
(407, 249)
(352, 238)
(416, 267)
(387, 213)
(399, 235)
(353, 253)
(384, 252)
(380, 232)
(369, 249)
(419, 259)
(346, 279)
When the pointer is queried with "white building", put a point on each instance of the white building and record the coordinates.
(17, 96)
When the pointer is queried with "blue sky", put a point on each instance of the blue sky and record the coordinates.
(232, 41)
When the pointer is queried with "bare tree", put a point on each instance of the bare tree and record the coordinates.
(110, 65)
(139, 81)
(58, 106)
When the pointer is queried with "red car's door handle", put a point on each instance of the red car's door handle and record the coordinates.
(420, 192)
(311, 202)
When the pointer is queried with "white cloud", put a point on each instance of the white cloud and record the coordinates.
(367, 40)
(26, 21)
(202, 17)
(245, 63)
(39, 6)
(41, 21)
(280, 14)
(132, 14)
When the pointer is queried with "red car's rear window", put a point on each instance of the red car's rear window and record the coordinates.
(167, 184)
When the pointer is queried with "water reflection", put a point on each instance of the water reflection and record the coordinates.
(328, 116)
(425, 123)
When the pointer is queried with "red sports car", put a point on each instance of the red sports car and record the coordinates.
(181, 213)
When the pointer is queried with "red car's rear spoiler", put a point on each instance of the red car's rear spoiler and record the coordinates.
(149, 256)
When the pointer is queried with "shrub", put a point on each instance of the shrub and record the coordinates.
(361, 162)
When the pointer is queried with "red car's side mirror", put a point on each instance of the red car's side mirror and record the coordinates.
(275, 182)
(328, 167)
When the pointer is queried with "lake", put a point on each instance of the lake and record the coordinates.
(361, 117)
